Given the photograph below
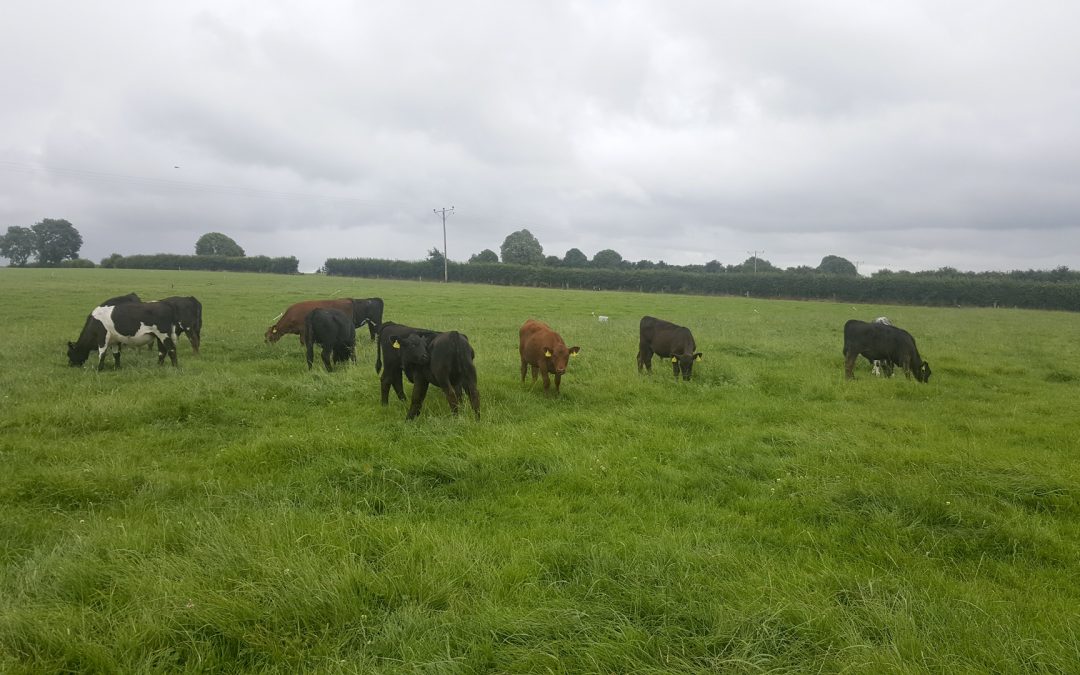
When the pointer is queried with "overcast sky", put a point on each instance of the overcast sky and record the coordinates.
(907, 135)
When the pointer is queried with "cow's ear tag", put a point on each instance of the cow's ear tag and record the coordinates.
(674, 359)
(698, 357)
(273, 330)
(573, 354)
(547, 353)
(395, 344)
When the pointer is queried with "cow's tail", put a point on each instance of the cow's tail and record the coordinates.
(463, 353)
(378, 354)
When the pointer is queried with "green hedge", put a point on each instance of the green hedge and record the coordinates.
(212, 263)
(888, 289)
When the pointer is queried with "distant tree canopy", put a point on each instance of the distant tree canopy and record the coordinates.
(216, 243)
(51, 241)
(607, 258)
(575, 258)
(834, 264)
(755, 264)
(485, 256)
(714, 265)
(435, 259)
(17, 245)
(522, 248)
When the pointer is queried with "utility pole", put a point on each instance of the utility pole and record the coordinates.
(444, 213)
(754, 255)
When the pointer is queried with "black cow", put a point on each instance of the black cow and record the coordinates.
(882, 342)
(666, 340)
(120, 299)
(442, 359)
(389, 342)
(334, 332)
(188, 317)
(368, 310)
(131, 323)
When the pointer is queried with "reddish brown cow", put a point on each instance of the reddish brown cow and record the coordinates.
(544, 350)
(292, 321)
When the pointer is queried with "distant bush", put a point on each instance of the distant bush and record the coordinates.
(890, 288)
(212, 263)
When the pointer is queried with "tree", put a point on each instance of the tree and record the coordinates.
(714, 266)
(485, 256)
(522, 248)
(17, 245)
(435, 259)
(216, 243)
(607, 258)
(645, 264)
(834, 264)
(575, 258)
(755, 264)
(553, 261)
(56, 239)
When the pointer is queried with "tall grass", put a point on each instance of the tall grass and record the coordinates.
(243, 513)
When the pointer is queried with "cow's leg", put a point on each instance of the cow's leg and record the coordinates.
(675, 369)
(395, 379)
(309, 353)
(644, 359)
(849, 365)
(373, 330)
(384, 387)
(170, 343)
(419, 391)
(193, 335)
(544, 374)
(474, 395)
(524, 369)
(116, 357)
(535, 372)
(558, 379)
(162, 350)
(326, 357)
(453, 396)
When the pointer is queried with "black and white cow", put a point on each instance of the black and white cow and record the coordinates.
(188, 318)
(332, 330)
(880, 342)
(128, 323)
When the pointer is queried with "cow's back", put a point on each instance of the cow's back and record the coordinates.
(666, 338)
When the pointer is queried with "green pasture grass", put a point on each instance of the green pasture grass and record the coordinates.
(241, 513)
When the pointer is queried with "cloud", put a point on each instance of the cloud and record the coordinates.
(906, 135)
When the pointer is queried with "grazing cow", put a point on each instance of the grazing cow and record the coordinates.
(131, 323)
(883, 367)
(188, 318)
(544, 350)
(333, 330)
(367, 311)
(389, 342)
(666, 340)
(881, 342)
(442, 359)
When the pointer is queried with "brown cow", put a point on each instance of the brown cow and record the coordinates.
(368, 311)
(544, 350)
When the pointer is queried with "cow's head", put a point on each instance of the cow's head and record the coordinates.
(414, 350)
(75, 356)
(558, 356)
(684, 363)
(922, 373)
(272, 334)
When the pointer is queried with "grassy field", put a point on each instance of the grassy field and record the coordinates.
(243, 513)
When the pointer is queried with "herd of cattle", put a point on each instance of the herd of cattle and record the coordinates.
(428, 357)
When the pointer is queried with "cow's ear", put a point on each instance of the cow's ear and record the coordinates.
(674, 359)
(697, 356)
(574, 350)
(547, 353)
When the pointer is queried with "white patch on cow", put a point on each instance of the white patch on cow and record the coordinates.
(113, 338)
(877, 364)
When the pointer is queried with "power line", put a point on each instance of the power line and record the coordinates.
(444, 212)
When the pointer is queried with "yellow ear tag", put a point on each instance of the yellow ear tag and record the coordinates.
(674, 359)
(273, 330)
(573, 354)
(395, 344)
(547, 353)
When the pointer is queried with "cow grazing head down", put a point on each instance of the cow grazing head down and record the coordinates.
(76, 357)
(922, 373)
(684, 364)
